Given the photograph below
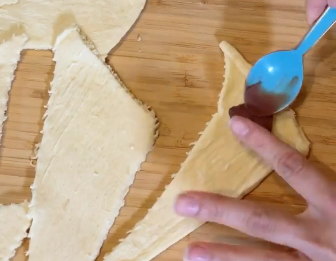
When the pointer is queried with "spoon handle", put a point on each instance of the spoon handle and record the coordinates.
(321, 26)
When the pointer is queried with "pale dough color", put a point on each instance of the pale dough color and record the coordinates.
(217, 163)
(95, 137)
(9, 56)
(105, 22)
(13, 228)
(8, 2)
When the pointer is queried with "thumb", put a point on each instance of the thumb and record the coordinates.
(315, 8)
(332, 3)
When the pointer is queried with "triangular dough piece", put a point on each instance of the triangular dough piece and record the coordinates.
(13, 228)
(9, 56)
(95, 137)
(217, 163)
(105, 22)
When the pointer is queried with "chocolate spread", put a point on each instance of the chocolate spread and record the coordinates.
(242, 111)
(260, 106)
(261, 103)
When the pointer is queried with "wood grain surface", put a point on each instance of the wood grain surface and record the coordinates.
(177, 68)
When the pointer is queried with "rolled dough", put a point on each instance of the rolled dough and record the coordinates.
(217, 163)
(105, 22)
(13, 228)
(95, 137)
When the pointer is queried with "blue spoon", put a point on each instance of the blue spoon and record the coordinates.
(276, 79)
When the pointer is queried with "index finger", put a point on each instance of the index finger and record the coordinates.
(293, 167)
(248, 217)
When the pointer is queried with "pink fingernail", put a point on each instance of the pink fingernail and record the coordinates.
(239, 127)
(186, 206)
(197, 253)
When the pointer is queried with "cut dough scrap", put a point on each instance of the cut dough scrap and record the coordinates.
(104, 21)
(8, 2)
(9, 56)
(217, 163)
(13, 228)
(13, 218)
(95, 137)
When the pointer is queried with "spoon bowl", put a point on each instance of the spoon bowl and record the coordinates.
(275, 80)
(278, 74)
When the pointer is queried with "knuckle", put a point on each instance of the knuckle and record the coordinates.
(218, 213)
(212, 211)
(290, 164)
(259, 223)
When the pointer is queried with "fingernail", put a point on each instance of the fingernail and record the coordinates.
(239, 127)
(186, 206)
(197, 253)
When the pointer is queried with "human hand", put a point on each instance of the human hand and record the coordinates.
(311, 234)
(316, 7)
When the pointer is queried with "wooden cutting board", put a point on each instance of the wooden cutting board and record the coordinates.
(177, 68)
